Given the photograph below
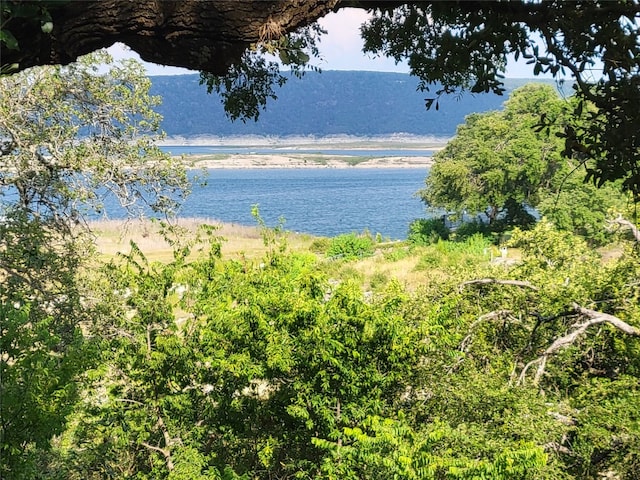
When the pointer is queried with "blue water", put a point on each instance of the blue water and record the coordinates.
(234, 150)
(320, 201)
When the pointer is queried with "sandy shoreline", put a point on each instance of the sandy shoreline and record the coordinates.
(257, 161)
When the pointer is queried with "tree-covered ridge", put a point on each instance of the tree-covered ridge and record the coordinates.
(326, 103)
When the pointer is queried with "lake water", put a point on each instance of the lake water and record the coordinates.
(320, 201)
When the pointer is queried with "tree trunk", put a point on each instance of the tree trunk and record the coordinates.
(195, 34)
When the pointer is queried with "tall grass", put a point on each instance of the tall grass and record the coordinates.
(114, 236)
(448, 254)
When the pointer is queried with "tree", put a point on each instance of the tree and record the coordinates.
(497, 163)
(500, 164)
(582, 208)
(69, 136)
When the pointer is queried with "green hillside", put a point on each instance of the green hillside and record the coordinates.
(327, 103)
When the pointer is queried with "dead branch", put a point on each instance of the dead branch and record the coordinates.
(484, 281)
(626, 223)
(593, 318)
(168, 441)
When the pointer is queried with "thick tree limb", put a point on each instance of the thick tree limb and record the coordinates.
(195, 34)
(593, 318)
(484, 281)
(206, 35)
(626, 223)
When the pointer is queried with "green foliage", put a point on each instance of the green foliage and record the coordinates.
(500, 166)
(389, 448)
(378, 280)
(397, 253)
(349, 246)
(65, 150)
(204, 367)
(43, 354)
(455, 47)
(425, 231)
(214, 368)
(497, 164)
(320, 245)
(37, 12)
(249, 83)
(582, 208)
(66, 133)
(463, 254)
(469, 229)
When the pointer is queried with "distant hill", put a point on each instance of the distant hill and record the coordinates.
(320, 104)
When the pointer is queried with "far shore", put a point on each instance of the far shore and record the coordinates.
(257, 161)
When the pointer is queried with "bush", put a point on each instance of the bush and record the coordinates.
(378, 280)
(350, 245)
(426, 231)
(320, 245)
(469, 229)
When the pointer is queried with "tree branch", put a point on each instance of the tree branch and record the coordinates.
(484, 281)
(168, 442)
(626, 223)
(164, 451)
(593, 318)
(200, 35)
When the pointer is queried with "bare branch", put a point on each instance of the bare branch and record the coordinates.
(626, 223)
(484, 281)
(594, 318)
(599, 317)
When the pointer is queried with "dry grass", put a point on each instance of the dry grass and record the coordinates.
(403, 270)
(114, 236)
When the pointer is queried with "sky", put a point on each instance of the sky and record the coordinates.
(340, 49)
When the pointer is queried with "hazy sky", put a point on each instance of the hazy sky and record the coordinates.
(340, 48)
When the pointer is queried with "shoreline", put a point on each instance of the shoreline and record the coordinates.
(302, 161)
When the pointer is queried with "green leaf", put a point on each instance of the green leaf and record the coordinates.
(9, 40)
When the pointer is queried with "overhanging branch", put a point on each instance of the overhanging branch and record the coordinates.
(199, 35)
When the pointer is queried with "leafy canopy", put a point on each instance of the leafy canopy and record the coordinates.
(502, 164)
(69, 136)
(465, 46)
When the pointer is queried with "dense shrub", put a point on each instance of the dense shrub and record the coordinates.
(469, 229)
(350, 245)
(425, 231)
(320, 245)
